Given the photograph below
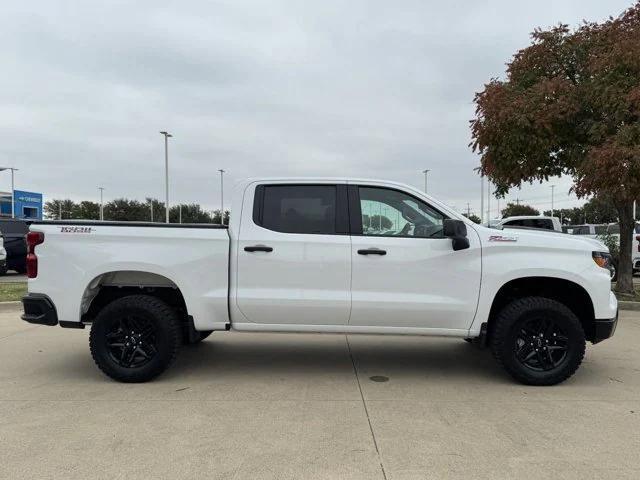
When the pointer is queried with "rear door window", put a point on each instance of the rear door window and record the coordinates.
(299, 209)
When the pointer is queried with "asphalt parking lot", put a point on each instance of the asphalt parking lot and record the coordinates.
(277, 406)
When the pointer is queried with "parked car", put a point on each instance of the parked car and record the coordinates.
(3, 257)
(588, 229)
(613, 229)
(322, 255)
(542, 223)
(13, 233)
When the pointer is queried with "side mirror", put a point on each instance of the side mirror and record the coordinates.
(456, 230)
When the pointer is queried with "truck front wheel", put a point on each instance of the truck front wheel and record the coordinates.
(538, 341)
(135, 338)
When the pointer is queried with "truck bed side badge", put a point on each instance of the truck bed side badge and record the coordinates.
(76, 229)
(502, 238)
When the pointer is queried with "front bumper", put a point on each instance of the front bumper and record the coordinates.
(604, 329)
(39, 309)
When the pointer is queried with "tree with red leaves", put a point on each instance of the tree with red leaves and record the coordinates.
(570, 105)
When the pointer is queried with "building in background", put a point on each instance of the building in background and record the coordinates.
(28, 205)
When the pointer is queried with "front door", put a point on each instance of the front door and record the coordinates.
(405, 272)
(294, 255)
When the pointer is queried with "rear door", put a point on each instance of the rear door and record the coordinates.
(294, 255)
(405, 272)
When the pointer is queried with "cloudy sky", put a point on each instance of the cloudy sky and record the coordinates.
(260, 88)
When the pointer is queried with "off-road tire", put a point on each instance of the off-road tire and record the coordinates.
(507, 326)
(166, 339)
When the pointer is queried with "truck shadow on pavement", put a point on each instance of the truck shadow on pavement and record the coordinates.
(289, 355)
(314, 357)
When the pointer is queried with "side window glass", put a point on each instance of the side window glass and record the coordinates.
(542, 223)
(388, 212)
(516, 223)
(299, 208)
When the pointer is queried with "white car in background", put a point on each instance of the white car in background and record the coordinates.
(3, 257)
(614, 230)
(588, 229)
(532, 221)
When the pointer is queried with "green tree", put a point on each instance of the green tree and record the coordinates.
(515, 210)
(380, 222)
(570, 105)
(87, 210)
(191, 213)
(600, 210)
(474, 218)
(159, 214)
(60, 209)
(568, 216)
(216, 217)
(125, 210)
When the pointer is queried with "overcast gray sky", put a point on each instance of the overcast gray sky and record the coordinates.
(260, 88)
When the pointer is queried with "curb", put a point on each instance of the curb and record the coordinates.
(10, 306)
(624, 305)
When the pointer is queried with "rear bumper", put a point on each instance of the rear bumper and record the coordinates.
(39, 309)
(604, 329)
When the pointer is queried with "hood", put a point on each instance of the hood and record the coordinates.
(539, 238)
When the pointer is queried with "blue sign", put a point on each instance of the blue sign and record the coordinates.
(27, 205)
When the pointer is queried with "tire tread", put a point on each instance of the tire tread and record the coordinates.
(161, 311)
(503, 323)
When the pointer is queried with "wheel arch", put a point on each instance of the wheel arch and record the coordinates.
(567, 292)
(109, 286)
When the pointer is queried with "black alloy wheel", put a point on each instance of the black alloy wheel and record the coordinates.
(538, 340)
(135, 338)
(131, 341)
(541, 344)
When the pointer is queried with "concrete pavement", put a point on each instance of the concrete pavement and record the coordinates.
(278, 406)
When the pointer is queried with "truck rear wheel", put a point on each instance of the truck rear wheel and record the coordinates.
(538, 341)
(135, 338)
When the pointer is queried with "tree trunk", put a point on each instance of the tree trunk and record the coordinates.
(627, 231)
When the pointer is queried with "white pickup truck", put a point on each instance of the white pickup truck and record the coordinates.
(327, 256)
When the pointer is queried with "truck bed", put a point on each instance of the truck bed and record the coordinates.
(78, 257)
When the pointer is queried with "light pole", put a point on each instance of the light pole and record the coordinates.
(13, 191)
(101, 204)
(221, 196)
(166, 173)
(481, 199)
(180, 213)
(425, 179)
(552, 188)
(488, 202)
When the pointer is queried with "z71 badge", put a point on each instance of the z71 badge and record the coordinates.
(76, 229)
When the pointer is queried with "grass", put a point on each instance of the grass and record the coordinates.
(627, 297)
(12, 291)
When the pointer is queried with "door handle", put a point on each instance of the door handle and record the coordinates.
(258, 248)
(372, 251)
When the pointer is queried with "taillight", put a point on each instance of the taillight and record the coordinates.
(638, 240)
(33, 239)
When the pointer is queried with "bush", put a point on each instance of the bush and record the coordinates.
(612, 242)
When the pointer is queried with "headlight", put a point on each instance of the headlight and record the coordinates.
(603, 260)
